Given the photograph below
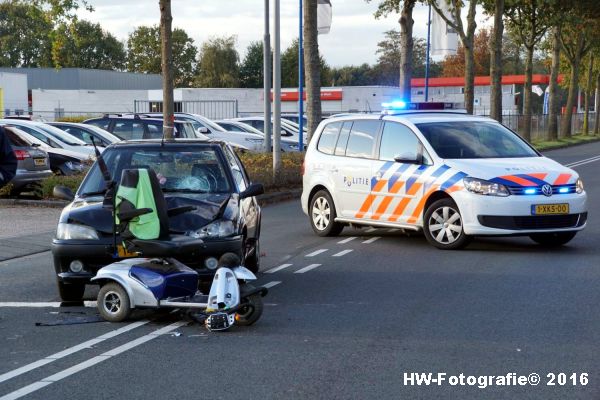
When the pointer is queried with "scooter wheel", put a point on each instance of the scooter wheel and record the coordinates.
(113, 302)
(252, 308)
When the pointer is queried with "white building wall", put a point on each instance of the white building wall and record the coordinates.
(14, 93)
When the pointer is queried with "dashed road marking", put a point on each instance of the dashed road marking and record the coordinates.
(273, 270)
(372, 239)
(371, 229)
(305, 269)
(393, 230)
(351, 238)
(271, 284)
(342, 253)
(316, 253)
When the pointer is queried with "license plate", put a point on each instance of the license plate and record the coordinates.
(39, 161)
(549, 209)
(124, 253)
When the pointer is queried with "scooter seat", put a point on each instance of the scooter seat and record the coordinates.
(176, 245)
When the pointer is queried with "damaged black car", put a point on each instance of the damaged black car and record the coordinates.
(206, 175)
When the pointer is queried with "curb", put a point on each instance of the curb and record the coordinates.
(263, 200)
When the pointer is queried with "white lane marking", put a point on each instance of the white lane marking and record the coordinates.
(33, 304)
(271, 284)
(273, 270)
(342, 253)
(316, 253)
(24, 258)
(586, 160)
(580, 163)
(372, 239)
(91, 362)
(371, 229)
(351, 238)
(393, 230)
(306, 269)
(71, 350)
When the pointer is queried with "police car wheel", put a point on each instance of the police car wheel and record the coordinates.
(444, 226)
(554, 239)
(322, 215)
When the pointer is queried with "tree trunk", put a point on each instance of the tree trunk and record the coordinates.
(527, 94)
(406, 48)
(167, 68)
(597, 106)
(588, 92)
(553, 91)
(469, 76)
(565, 126)
(496, 62)
(312, 67)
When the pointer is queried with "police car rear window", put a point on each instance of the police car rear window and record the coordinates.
(329, 137)
(474, 139)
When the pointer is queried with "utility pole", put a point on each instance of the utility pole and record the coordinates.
(276, 94)
(267, 78)
(167, 68)
(300, 83)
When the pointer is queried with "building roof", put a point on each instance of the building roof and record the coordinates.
(537, 79)
(86, 79)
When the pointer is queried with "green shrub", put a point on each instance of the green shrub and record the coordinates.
(260, 168)
(72, 182)
(5, 190)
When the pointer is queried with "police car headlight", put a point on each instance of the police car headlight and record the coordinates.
(217, 229)
(75, 231)
(486, 188)
(579, 186)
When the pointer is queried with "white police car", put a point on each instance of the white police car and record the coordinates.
(450, 174)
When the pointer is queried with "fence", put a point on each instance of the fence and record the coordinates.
(212, 109)
(539, 124)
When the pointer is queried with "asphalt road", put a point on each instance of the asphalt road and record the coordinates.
(375, 305)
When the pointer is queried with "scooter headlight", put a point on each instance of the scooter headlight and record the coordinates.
(486, 188)
(217, 229)
(74, 231)
(579, 186)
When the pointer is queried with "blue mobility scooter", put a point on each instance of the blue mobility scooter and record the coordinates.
(154, 278)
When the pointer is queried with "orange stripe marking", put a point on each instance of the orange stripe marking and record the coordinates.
(517, 180)
(419, 209)
(387, 200)
(366, 206)
(539, 176)
(562, 179)
(404, 202)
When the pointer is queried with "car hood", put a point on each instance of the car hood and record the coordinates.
(525, 171)
(89, 211)
(64, 152)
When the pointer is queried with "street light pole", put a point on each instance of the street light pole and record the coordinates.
(267, 78)
(276, 93)
(300, 82)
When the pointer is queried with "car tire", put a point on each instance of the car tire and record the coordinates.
(252, 262)
(113, 302)
(251, 310)
(70, 291)
(443, 226)
(322, 215)
(553, 239)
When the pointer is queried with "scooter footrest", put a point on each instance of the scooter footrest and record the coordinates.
(218, 321)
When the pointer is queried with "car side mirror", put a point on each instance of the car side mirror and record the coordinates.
(203, 130)
(63, 193)
(254, 189)
(409, 159)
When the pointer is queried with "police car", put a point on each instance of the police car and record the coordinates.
(427, 167)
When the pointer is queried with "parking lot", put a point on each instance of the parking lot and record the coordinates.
(346, 317)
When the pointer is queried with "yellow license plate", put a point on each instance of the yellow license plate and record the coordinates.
(124, 253)
(39, 161)
(550, 209)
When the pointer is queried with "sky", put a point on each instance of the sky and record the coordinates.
(352, 40)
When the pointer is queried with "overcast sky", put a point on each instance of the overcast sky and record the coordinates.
(352, 41)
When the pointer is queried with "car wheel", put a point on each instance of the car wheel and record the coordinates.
(252, 261)
(443, 226)
(70, 291)
(322, 215)
(113, 302)
(251, 309)
(554, 239)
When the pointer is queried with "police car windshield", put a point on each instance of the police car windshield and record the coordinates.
(474, 139)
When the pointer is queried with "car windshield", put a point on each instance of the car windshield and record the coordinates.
(474, 139)
(180, 168)
(60, 135)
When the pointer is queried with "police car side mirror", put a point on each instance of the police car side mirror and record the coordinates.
(409, 159)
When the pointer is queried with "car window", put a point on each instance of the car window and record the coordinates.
(328, 138)
(153, 131)
(14, 139)
(362, 138)
(474, 139)
(398, 140)
(129, 129)
(236, 171)
(101, 123)
(342, 142)
(80, 134)
(231, 127)
(40, 136)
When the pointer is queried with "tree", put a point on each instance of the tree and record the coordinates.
(166, 50)
(144, 50)
(454, 65)
(289, 66)
(553, 87)
(251, 69)
(218, 64)
(496, 59)
(24, 35)
(405, 9)
(82, 44)
(353, 75)
(312, 66)
(467, 37)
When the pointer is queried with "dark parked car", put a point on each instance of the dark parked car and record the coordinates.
(32, 162)
(132, 127)
(206, 175)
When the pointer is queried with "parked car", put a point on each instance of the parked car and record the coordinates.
(295, 118)
(192, 172)
(86, 132)
(287, 130)
(52, 136)
(62, 162)
(134, 127)
(238, 126)
(33, 164)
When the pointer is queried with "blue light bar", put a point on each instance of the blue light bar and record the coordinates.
(395, 105)
(530, 191)
(563, 190)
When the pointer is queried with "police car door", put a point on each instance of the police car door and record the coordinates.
(398, 174)
(353, 184)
